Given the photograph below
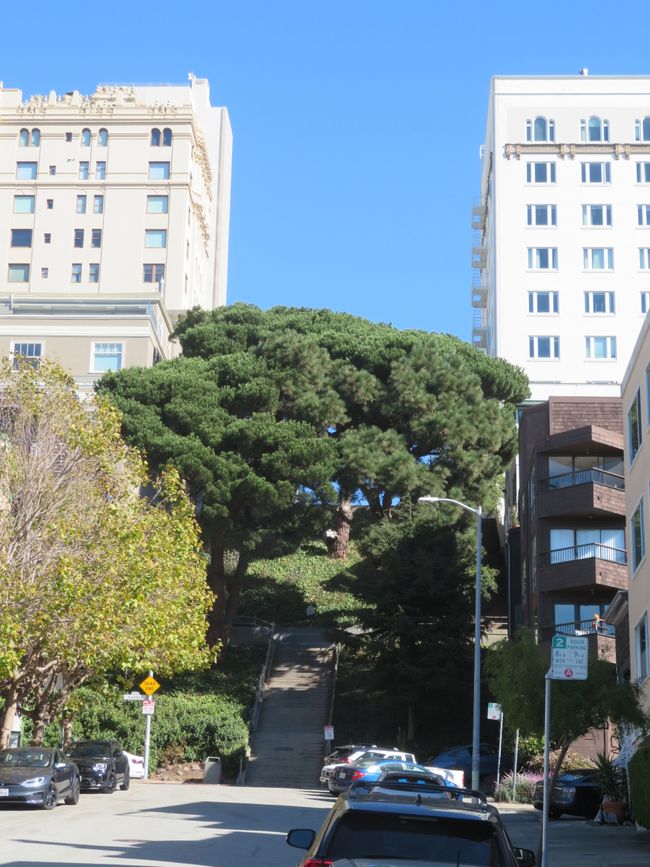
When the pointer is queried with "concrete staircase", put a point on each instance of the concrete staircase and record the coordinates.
(287, 746)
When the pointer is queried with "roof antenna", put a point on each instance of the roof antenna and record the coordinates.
(584, 72)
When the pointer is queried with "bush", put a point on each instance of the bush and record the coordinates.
(572, 760)
(639, 774)
(526, 782)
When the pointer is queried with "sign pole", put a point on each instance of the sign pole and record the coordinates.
(147, 740)
(514, 770)
(500, 744)
(547, 738)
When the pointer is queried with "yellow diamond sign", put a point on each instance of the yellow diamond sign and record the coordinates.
(149, 685)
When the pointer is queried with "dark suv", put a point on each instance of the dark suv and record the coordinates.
(413, 823)
(102, 764)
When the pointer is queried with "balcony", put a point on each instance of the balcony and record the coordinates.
(601, 636)
(583, 492)
(479, 257)
(479, 215)
(582, 567)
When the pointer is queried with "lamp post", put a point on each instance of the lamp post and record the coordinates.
(476, 716)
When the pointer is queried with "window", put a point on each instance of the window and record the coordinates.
(155, 238)
(568, 544)
(107, 356)
(102, 138)
(543, 302)
(155, 138)
(26, 171)
(21, 237)
(23, 138)
(98, 205)
(542, 258)
(645, 301)
(47, 237)
(50, 204)
(157, 204)
(52, 170)
(643, 173)
(642, 129)
(641, 648)
(594, 129)
(18, 273)
(78, 238)
(598, 258)
(96, 238)
(154, 273)
(158, 171)
(600, 348)
(76, 273)
(599, 302)
(85, 138)
(36, 138)
(540, 129)
(167, 137)
(634, 431)
(542, 215)
(596, 215)
(24, 204)
(26, 353)
(100, 171)
(637, 537)
(93, 272)
(643, 215)
(68, 136)
(84, 166)
(81, 204)
(540, 173)
(596, 173)
(543, 347)
(644, 258)
(45, 273)
(647, 393)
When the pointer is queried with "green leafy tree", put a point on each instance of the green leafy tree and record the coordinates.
(94, 578)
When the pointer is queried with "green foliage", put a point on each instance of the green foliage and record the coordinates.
(611, 778)
(639, 773)
(534, 762)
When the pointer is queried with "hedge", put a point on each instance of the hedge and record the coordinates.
(639, 776)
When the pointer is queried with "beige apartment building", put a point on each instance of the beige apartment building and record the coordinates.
(636, 409)
(116, 210)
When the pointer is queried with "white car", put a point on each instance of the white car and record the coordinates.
(455, 777)
(136, 766)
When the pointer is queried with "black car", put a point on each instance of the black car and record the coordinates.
(411, 823)
(37, 776)
(460, 758)
(102, 764)
(576, 793)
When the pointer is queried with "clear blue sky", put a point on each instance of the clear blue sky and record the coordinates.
(357, 124)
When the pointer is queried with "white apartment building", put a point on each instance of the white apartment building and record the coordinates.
(116, 212)
(561, 255)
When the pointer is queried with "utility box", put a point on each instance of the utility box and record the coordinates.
(212, 770)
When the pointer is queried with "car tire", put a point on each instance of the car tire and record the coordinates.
(111, 783)
(554, 814)
(50, 800)
(126, 782)
(73, 797)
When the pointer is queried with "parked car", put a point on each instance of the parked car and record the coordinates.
(374, 754)
(136, 766)
(575, 792)
(460, 758)
(404, 825)
(37, 776)
(102, 764)
(370, 770)
(341, 755)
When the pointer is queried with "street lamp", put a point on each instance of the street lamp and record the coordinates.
(476, 716)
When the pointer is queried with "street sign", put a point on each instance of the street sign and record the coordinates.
(149, 685)
(569, 655)
(148, 706)
(133, 696)
(494, 710)
(329, 733)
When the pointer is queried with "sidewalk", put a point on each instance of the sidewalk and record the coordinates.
(575, 842)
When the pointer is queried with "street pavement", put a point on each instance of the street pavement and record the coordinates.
(195, 825)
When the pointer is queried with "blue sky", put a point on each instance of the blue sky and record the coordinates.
(357, 124)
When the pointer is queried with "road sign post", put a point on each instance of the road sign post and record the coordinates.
(496, 713)
(149, 685)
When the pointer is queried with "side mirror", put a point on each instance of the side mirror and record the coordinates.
(301, 838)
(60, 765)
(525, 857)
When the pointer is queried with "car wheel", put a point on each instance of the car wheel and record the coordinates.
(73, 797)
(126, 782)
(554, 814)
(50, 799)
(111, 783)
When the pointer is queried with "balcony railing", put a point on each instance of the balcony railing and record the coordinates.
(583, 477)
(586, 627)
(584, 552)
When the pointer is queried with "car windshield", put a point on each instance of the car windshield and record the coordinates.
(25, 759)
(90, 749)
(433, 840)
(575, 776)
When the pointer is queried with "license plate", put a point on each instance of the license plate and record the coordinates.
(341, 775)
(4, 793)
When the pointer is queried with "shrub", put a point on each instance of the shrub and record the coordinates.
(639, 773)
(572, 760)
(526, 782)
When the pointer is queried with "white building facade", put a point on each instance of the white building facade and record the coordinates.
(561, 255)
(116, 209)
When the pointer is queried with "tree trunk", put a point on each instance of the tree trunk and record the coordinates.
(338, 539)
(556, 770)
(8, 713)
(234, 596)
(217, 583)
(67, 730)
(39, 728)
(410, 732)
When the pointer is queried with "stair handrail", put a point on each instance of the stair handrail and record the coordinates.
(263, 680)
(335, 668)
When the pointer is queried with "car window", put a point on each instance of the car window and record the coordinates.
(90, 748)
(459, 754)
(487, 750)
(439, 840)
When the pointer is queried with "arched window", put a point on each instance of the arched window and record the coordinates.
(102, 138)
(85, 138)
(23, 138)
(540, 129)
(155, 138)
(642, 129)
(36, 137)
(167, 137)
(594, 129)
